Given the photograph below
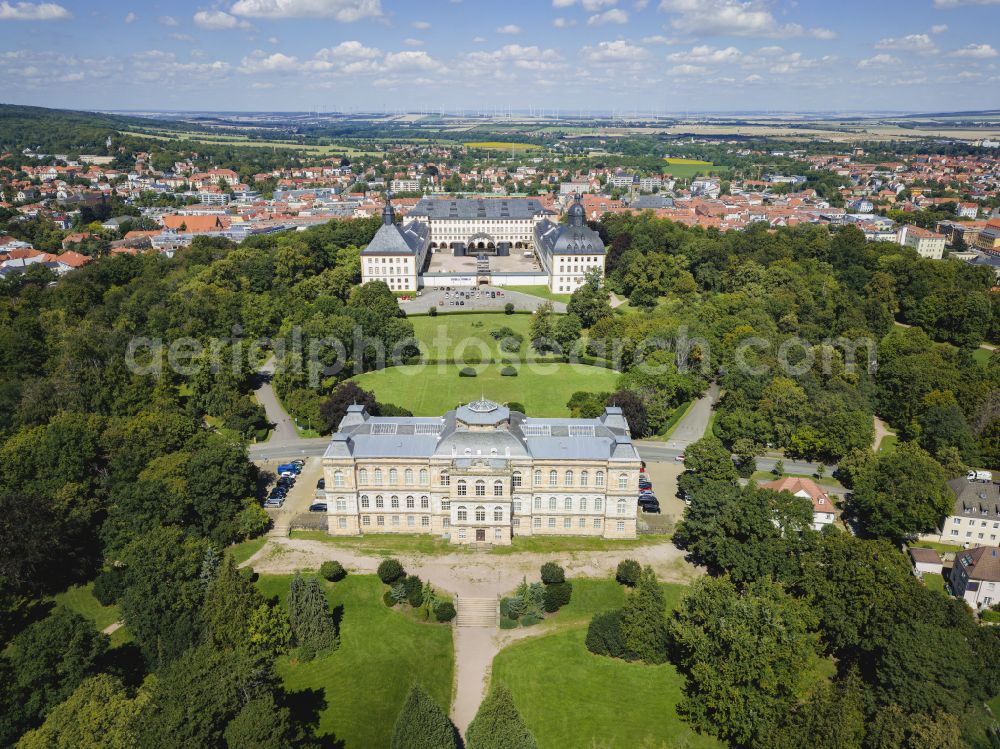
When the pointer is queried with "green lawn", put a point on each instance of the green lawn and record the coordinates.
(934, 581)
(382, 652)
(430, 390)
(888, 444)
(80, 598)
(683, 171)
(541, 291)
(940, 548)
(244, 550)
(558, 545)
(444, 336)
(995, 706)
(982, 356)
(572, 698)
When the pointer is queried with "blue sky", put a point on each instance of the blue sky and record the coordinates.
(579, 55)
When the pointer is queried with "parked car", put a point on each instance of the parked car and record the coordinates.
(273, 503)
(650, 497)
(321, 484)
(651, 507)
(645, 484)
(679, 458)
(317, 507)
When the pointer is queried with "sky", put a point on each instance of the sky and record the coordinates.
(577, 56)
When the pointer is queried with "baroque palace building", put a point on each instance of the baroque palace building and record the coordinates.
(482, 474)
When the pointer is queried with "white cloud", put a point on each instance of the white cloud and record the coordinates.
(33, 12)
(341, 10)
(686, 70)
(421, 25)
(706, 55)
(616, 51)
(131, 18)
(910, 43)
(259, 61)
(217, 20)
(181, 37)
(168, 21)
(411, 42)
(526, 58)
(825, 34)
(615, 15)
(975, 51)
(479, 39)
(957, 3)
(588, 5)
(878, 61)
(656, 39)
(563, 23)
(510, 28)
(350, 50)
(410, 60)
(731, 18)
(939, 28)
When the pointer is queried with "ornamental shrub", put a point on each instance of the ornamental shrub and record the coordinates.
(553, 573)
(506, 623)
(508, 309)
(516, 406)
(466, 372)
(398, 592)
(498, 725)
(433, 311)
(557, 595)
(388, 600)
(530, 620)
(628, 572)
(508, 372)
(422, 724)
(333, 571)
(390, 571)
(604, 635)
(512, 607)
(444, 611)
(414, 591)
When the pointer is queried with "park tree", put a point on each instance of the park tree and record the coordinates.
(346, 394)
(262, 723)
(744, 654)
(643, 621)
(543, 329)
(567, 332)
(311, 620)
(589, 302)
(901, 493)
(498, 724)
(634, 411)
(832, 718)
(231, 603)
(422, 724)
(99, 714)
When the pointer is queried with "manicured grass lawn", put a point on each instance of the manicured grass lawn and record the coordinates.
(940, 548)
(80, 598)
(982, 356)
(542, 291)
(444, 336)
(556, 545)
(995, 706)
(430, 390)
(934, 581)
(572, 698)
(245, 549)
(382, 652)
(385, 544)
(690, 169)
(888, 444)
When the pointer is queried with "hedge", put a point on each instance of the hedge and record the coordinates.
(444, 611)
(553, 573)
(333, 571)
(467, 372)
(506, 623)
(508, 372)
(557, 595)
(530, 620)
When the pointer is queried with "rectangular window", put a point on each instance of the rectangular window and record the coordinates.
(538, 522)
(446, 523)
(567, 522)
(516, 522)
(425, 521)
(621, 525)
(583, 522)
(411, 521)
(598, 504)
(342, 523)
(341, 505)
(498, 534)
(366, 520)
(380, 520)
(461, 532)
(395, 519)
(552, 522)
(517, 506)
(597, 522)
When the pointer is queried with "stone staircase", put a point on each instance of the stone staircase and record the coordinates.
(476, 612)
(279, 528)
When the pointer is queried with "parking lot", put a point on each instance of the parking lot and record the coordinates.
(300, 496)
(484, 302)
(663, 475)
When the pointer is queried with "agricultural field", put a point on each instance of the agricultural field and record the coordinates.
(432, 389)
(673, 160)
(685, 168)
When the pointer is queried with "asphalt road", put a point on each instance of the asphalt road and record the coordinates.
(283, 430)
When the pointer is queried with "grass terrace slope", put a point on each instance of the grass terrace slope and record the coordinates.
(430, 390)
(362, 685)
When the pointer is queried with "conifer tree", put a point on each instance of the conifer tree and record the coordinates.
(644, 620)
(421, 724)
(498, 724)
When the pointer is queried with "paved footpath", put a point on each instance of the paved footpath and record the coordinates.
(473, 575)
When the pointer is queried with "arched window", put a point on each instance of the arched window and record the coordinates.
(498, 488)
(584, 478)
(410, 504)
(379, 502)
(515, 480)
(621, 506)
(378, 476)
(538, 503)
(462, 514)
(363, 476)
(408, 476)
(552, 503)
(462, 489)
(568, 504)
(424, 476)
(338, 478)
(364, 502)
(599, 478)
(480, 514)
(424, 503)
(394, 502)
(569, 478)
(445, 478)
(393, 476)
(498, 514)
(538, 478)
(480, 488)
(553, 477)
(623, 481)
(583, 504)
(598, 504)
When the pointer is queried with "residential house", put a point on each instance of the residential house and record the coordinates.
(927, 243)
(823, 510)
(926, 561)
(975, 576)
(975, 516)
